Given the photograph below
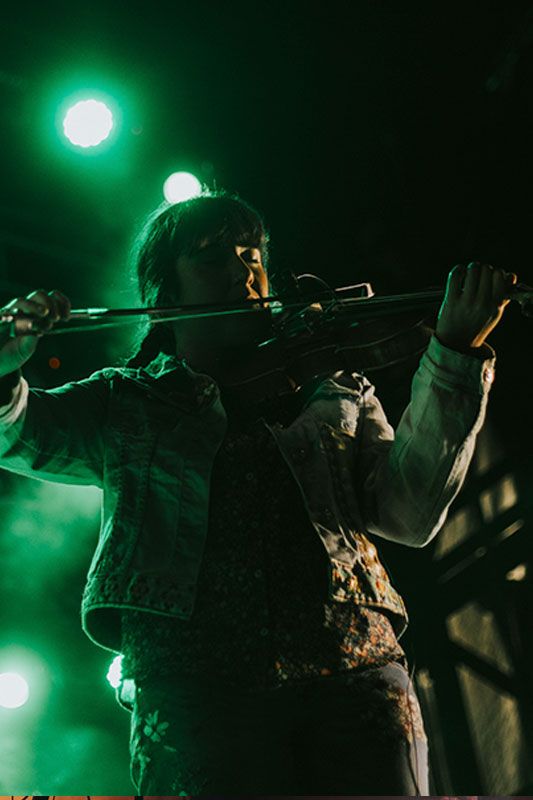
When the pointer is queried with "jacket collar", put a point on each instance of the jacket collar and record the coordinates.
(172, 379)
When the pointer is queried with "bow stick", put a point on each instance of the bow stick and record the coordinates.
(358, 308)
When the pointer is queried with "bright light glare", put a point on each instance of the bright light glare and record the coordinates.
(88, 123)
(14, 690)
(181, 186)
(114, 673)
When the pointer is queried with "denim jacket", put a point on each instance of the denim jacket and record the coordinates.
(148, 437)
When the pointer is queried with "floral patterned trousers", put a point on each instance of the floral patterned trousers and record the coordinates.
(356, 733)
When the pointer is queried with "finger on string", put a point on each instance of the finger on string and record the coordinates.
(485, 290)
(500, 288)
(454, 284)
(471, 281)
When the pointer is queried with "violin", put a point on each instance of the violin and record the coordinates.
(313, 334)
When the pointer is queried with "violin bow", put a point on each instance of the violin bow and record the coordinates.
(368, 306)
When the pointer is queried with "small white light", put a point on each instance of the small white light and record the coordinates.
(181, 186)
(114, 673)
(14, 690)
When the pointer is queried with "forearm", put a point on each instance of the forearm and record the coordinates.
(413, 482)
(57, 434)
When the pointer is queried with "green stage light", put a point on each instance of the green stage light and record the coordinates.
(114, 673)
(14, 690)
(181, 186)
(87, 123)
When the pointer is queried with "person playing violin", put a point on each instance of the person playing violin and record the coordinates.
(238, 568)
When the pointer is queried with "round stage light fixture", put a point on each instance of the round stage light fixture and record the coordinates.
(14, 690)
(181, 186)
(88, 123)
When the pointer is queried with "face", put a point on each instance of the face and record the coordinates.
(222, 272)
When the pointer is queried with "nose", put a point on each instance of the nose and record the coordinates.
(241, 270)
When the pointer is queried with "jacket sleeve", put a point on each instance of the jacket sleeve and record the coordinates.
(407, 481)
(56, 434)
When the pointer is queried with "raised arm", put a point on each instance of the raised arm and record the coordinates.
(407, 480)
(56, 434)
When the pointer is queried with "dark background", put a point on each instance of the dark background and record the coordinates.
(383, 141)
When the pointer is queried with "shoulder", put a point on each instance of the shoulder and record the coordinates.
(355, 381)
(100, 384)
(343, 383)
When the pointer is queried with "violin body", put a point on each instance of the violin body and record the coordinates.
(286, 368)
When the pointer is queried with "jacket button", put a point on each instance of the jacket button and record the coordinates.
(264, 631)
(488, 375)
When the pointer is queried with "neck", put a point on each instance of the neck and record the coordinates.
(226, 349)
(224, 364)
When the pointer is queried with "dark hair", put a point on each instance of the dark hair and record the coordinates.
(178, 229)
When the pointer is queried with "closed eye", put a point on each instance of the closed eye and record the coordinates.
(252, 256)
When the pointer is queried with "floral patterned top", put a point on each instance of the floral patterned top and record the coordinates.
(258, 621)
